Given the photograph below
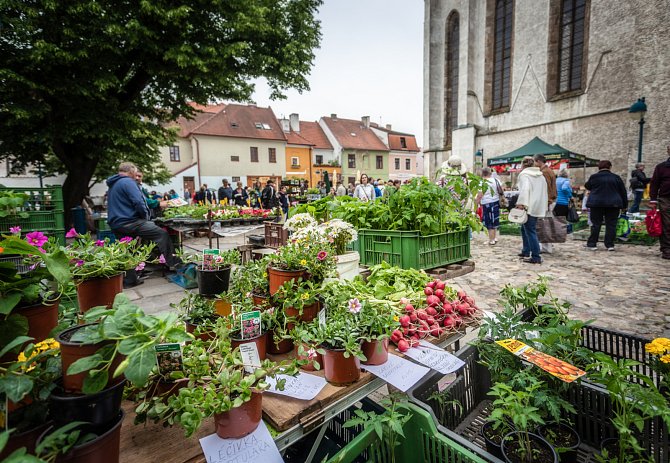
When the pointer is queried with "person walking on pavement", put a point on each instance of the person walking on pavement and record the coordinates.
(607, 197)
(638, 182)
(533, 199)
(490, 202)
(269, 196)
(564, 190)
(226, 192)
(552, 194)
(659, 195)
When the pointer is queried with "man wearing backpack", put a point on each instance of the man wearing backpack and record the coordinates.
(659, 194)
(269, 198)
(638, 182)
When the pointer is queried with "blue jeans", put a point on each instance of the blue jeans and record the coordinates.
(531, 246)
(637, 198)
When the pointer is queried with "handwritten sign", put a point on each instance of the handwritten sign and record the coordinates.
(398, 372)
(303, 386)
(555, 367)
(257, 446)
(435, 357)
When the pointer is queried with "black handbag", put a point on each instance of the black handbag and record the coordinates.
(573, 217)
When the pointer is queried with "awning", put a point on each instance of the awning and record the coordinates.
(555, 155)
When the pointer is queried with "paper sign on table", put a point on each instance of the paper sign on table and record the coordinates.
(435, 357)
(250, 357)
(303, 386)
(257, 446)
(552, 365)
(398, 372)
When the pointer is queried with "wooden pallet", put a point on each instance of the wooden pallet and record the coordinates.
(453, 270)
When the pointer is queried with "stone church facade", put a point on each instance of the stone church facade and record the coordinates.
(499, 72)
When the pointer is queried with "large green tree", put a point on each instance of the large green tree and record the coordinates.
(87, 83)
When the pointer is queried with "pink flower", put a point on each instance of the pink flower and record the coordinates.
(322, 255)
(79, 263)
(354, 305)
(140, 267)
(36, 238)
(15, 230)
(72, 233)
(126, 239)
(161, 259)
(99, 243)
(42, 250)
(311, 354)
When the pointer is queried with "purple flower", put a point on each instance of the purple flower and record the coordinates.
(79, 263)
(15, 230)
(140, 267)
(36, 238)
(354, 305)
(99, 243)
(161, 259)
(126, 239)
(72, 233)
(322, 255)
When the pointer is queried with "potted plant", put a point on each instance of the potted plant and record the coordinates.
(377, 320)
(199, 315)
(305, 339)
(298, 300)
(97, 266)
(250, 281)
(219, 385)
(213, 270)
(659, 352)
(239, 334)
(288, 265)
(277, 325)
(340, 234)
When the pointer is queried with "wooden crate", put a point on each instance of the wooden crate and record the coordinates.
(275, 235)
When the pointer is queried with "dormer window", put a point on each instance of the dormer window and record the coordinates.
(234, 125)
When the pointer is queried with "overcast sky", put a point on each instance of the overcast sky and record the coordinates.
(369, 64)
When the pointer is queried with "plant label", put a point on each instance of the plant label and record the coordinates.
(251, 324)
(435, 357)
(209, 256)
(555, 367)
(169, 358)
(250, 356)
(445, 381)
(322, 317)
(257, 446)
(398, 372)
(303, 386)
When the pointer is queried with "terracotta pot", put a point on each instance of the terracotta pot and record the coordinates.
(341, 370)
(213, 282)
(223, 308)
(260, 341)
(70, 352)
(376, 352)
(99, 291)
(102, 449)
(27, 439)
(278, 277)
(240, 421)
(205, 336)
(309, 312)
(284, 346)
(260, 301)
(310, 366)
(42, 318)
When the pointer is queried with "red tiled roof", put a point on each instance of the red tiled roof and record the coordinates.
(313, 132)
(295, 138)
(210, 108)
(352, 134)
(410, 142)
(186, 126)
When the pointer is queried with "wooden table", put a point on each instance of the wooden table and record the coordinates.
(293, 418)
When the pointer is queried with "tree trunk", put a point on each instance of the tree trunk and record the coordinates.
(75, 187)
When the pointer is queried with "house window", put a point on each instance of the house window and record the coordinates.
(571, 45)
(235, 159)
(236, 179)
(351, 159)
(174, 154)
(254, 154)
(403, 142)
(380, 162)
(272, 155)
(451, 72)
(319, 159)
(397, 163)
(295, 162)
(503, 32)
(408, 164)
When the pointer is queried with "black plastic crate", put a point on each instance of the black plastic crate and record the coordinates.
(470, 388)
(17, 260)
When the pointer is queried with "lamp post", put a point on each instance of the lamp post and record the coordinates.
(637, 112)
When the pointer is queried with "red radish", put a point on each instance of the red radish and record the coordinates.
(431, 311)
(469, 300)
(440, 285)
(428, 291)
(405, 331)
(463, 311)
(436, 331)
(458, 320)
(403, 345)
(413, 317)
(432, 284)
(424, 327)
(449, 323)
(411, 332)
(409, 308)
(404, 321)
(461, 294)
(396, 336)
(430, 320)
(421, 314)
(447, 307)
(414, 342)
(432, 300)
(439, 293)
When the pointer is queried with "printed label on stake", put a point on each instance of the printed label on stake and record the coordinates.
(555, 367)
(250, 357)
(251, 325)
(322, 317)
(169, 358)
(209, 256)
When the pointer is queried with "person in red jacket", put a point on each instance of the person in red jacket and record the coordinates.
(659, 195)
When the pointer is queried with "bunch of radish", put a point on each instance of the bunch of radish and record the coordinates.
(445, 310)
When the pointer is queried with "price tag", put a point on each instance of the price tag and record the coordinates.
(250, 356)
(251, 324)
(322, 317)
(169, 358)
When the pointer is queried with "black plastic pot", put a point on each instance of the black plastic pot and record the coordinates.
(213, 282)
(98, 409)
(492, 447)
(510, 438)
(567, 456)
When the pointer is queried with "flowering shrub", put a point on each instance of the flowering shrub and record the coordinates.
(659, 349)
(300, 221)
(340, 233)
(336, 232)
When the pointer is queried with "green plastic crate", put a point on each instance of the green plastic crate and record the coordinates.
(409, 249)
(45, 209)
(424, 442)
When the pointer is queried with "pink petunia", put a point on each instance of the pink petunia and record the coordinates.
(140, 267)
(15, 230)
(36, 239)
(126, 239)
(100, 243)
(161, 259)
(72, 233)
(322, 255)
(354, 305)
(79, 263)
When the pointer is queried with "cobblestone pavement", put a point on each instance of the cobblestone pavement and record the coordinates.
(627, 290)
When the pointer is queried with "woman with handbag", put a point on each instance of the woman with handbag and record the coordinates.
(533, 200)
(365, 191)
(490, 204)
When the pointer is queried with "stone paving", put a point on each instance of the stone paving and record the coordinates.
(627, 290)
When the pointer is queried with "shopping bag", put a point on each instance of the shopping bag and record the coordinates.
(551, 230)
(623, 227)
(480, 213)
(573, 217)
(653, 223)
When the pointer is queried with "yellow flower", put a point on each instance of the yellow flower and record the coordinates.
(303, 262)
(22, 357)
(665, 358)
(396, 318)
(265, 274)
(304, 296)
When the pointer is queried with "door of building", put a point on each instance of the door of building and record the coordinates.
(189, 184)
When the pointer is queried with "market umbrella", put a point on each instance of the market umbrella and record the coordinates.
(326, 180)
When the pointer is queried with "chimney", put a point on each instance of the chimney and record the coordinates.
(295, 122)
(388, 126)
(333, 116)
(366, 121)
(285, 125)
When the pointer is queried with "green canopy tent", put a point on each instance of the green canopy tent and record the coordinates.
(555, 155)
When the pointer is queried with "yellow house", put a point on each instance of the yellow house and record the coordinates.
(298, 157)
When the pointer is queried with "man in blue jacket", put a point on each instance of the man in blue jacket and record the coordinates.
(128, 212)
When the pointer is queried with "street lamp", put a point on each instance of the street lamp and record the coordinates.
(637, 112)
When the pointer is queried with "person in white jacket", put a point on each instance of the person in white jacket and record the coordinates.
(534, 200)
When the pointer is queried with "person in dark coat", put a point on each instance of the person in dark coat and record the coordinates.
(269, 198)
(659, 195)
(240, 195)
(283, 201)
(226, 192)
(638, 182)
(607, 198)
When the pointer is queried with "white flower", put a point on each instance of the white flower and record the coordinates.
(300, 221)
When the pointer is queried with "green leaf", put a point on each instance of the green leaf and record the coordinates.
(129, 345)
(140, 365)
(16, 386)
(11, 327)
(95, 381)
(85, 364)
(58, 265)
(16, 342)
(7, 303)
